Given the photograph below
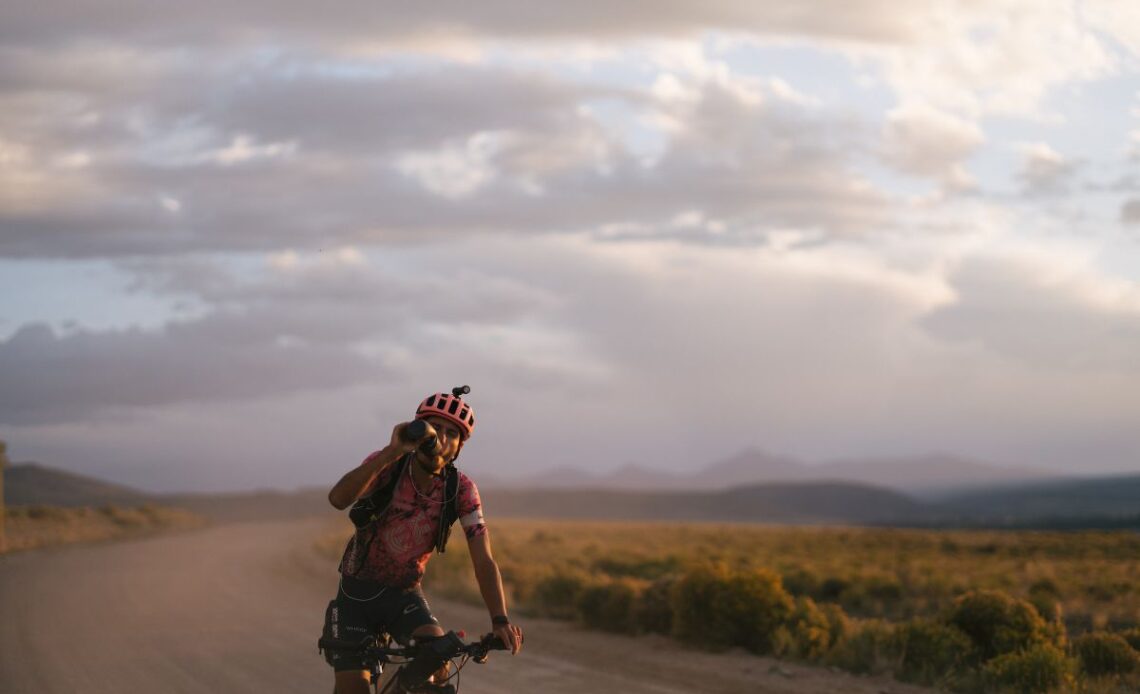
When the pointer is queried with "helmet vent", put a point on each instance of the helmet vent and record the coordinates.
(454, 406)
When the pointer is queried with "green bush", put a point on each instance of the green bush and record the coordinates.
(801, 581)
(1132, 636)
(807, 634)
(653, 612)
(1102, 653)
(839, 625)
(833, 588)
(1047, 606)
(725, 608)
(997, 624)
(647, 568)
(871, 647)
(557, 595)
(609, 606)
(931, 651)
(1035, 670)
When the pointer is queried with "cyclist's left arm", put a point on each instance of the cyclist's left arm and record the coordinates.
(491, 587)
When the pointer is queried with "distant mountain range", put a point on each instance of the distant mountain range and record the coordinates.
(792, 503)
(925, 476)
(1063, 503)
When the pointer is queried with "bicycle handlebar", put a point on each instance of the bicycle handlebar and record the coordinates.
(475, 649)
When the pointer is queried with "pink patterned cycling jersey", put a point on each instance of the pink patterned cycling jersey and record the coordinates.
(394, 550)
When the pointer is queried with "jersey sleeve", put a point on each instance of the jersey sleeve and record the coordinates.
(470, 508)
(380, 479)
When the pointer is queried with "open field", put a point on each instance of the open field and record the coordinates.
(862, 599)
(30, 527)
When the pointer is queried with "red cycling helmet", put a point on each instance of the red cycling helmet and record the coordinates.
(452, 408)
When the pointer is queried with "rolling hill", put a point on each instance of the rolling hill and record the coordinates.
(30, 484)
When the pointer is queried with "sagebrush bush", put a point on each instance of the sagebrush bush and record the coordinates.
(609, 606)
(802, 581)
(557, 594)
(653, 613)
(807, 633)
(839, 625)
(997, 623)
(1035, 670)
(1103, 653)
(931, 651)
(1132, 636)
(871, 647)
(726, 608)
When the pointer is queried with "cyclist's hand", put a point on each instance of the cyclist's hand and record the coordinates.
(511, 635)
(398, 443)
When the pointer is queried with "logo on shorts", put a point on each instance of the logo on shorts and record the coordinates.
(411, 608)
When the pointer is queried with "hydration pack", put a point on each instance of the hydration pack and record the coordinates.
(368, 510)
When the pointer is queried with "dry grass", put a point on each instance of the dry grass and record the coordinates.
(30, 527)
(862, 595)
(870, 572)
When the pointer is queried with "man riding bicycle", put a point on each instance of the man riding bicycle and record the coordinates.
(404, 499)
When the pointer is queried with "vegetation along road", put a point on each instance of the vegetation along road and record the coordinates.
(237, 608)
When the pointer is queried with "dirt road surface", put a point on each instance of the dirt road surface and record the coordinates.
(238, 608)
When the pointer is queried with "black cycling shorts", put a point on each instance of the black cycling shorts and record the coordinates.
(364, 608)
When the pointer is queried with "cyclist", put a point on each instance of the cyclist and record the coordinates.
(404, 499)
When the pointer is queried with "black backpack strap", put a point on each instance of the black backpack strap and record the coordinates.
(366, 512)
(450, 512)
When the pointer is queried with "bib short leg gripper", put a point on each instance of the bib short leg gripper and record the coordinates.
(431, 654)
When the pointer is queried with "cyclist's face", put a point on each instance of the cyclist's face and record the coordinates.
(449, 436)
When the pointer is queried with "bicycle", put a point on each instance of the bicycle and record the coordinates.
(377, 651)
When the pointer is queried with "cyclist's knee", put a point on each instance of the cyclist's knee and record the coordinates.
(352, 682)
(428, 630)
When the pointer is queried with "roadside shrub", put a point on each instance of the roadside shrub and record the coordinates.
(997, 624)
(125, 517)
(801, 581)
(556, 595)
(609, 606)
(652, 612)
(807, 634)
(1132, 636)
(931, 651)
(832, 588)
(839, 625)
(646, 568)
(872, 647)
(1105, 654)
(730, 608)
(1035, 670)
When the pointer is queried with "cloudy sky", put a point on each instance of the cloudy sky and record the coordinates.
(238, 244)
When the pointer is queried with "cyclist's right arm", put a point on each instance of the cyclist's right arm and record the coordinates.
(356, 481)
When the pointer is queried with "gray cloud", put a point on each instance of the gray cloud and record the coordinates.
(1044, 170)
(271, 161)
(139, 22)
(52, 378)
(321, 326)
(643, 350)
(1018, 312)
(1130, 211)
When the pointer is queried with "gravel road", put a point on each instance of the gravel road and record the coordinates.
(237, 608)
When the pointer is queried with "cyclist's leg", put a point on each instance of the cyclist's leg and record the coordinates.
(348, 620)
(352, 682)
(413, 619)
